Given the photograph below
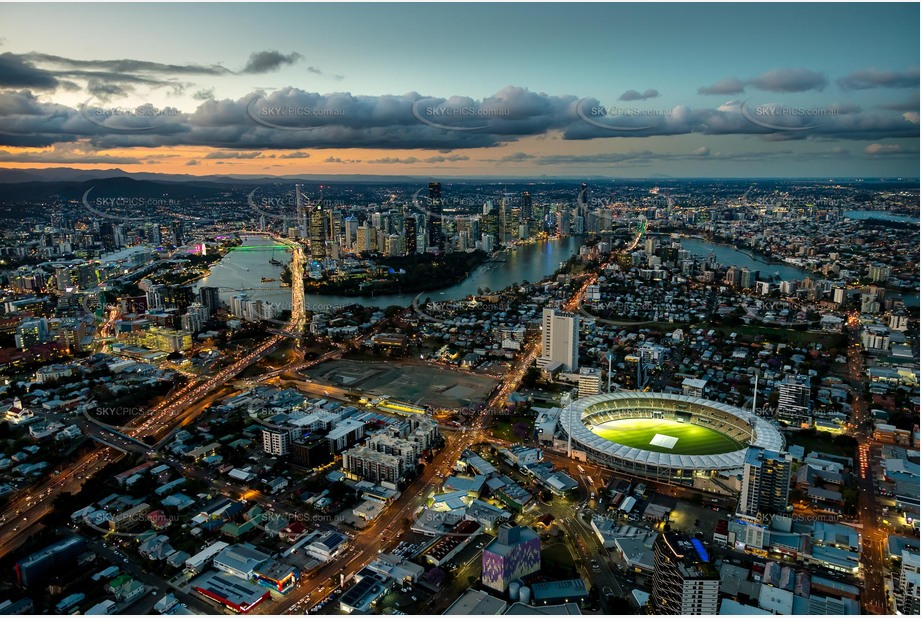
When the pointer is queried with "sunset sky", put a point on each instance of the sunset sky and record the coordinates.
(653, 90)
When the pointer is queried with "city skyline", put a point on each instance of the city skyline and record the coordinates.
(618, 90)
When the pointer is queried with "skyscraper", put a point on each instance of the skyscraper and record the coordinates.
(435, 214)
(318, 229)
(526, 205)
(208, 296)
(765, 482)
(178, 228)
(409, 231)
(560, 339)
(684, 581)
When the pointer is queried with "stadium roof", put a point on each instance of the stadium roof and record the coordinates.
(765, 434)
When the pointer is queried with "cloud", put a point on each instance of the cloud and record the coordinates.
(225, 154)
(395, 161)
(777, 80)
(192, 162)
(68, 157)
(883, 149)
(295, 155)
(725, 86)
(703, 151)
(268, 61)
(447, 158)
(203, 94)
(317, 71)
(875, 78)
(16, 72)
(515, 157)
(341, 120)
(633, 95)
(106, 91)
(790, 80)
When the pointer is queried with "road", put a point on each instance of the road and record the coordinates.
(874, 559)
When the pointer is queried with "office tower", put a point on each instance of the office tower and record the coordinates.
(840, 296)
(409, 231)
(765, 482)
(318, 229)
(363, 238)
(32, 331)
(560, 339)
(651, 245)
(794, 403)
(513, 554)
(683, 582)
(178, 228)
(351, 231)
(435, 213)
(208, 296)
(303, 222)
(393, 245)
(527, 209)
(563, 223)
(504, 218)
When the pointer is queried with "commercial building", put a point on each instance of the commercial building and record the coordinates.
(684, 581)
(513, 554)
(230, 591)
(559, 339)
(36, 568)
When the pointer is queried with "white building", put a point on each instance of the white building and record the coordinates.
(560, 339)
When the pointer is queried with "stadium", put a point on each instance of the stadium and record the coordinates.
(665, 437)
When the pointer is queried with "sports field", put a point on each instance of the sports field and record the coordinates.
(657, 434)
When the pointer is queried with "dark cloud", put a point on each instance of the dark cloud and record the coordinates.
(633, 95)
(790, 80)
(778, 80)
(876, 78)
(127, 65)
(16, 72)
(909, 105)
(268, 61)
(295, 155)
(105, 91)
(391, 122)
(192, 162)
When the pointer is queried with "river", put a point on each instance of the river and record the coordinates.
(729, 256)
(244, 267)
